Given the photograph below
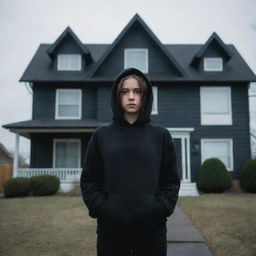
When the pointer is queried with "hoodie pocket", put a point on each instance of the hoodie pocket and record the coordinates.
(131, 208)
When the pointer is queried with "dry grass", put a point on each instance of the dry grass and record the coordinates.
(227, 221)
(52, 226)
(60, 225)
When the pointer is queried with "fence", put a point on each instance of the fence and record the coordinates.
(5, 174)
(68, 176)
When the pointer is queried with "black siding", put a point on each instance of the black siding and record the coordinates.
(44, 99)
(42, 147)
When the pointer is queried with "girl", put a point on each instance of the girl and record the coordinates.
(129, 180)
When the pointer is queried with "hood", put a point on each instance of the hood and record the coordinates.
(144, 116)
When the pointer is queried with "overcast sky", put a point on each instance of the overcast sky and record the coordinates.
(24, 24)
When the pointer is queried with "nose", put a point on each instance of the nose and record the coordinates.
(131, 94)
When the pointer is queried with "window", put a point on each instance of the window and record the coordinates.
(136, 58)
(154, 105)
(69, 62)
(216, 106)
(213, 64)
(218, 148)
(66, 153)
(68, 104)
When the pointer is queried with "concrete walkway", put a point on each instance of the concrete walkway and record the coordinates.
(183, 239)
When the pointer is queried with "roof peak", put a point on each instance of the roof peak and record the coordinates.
(137, 18)
(67, 31)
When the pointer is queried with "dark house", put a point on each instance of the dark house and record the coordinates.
(200, 95)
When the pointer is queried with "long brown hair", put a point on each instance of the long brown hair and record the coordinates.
(142, 85)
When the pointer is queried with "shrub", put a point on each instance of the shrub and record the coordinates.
(213, 177)
(44, 185)
(248, 176)
(17, 187)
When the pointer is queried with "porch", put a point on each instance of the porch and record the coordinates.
(68, 176)
(71, 176)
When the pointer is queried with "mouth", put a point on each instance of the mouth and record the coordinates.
(131, 105)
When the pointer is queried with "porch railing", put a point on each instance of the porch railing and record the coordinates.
(64, 174)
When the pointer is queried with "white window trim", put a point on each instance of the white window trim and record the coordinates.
(79, 68)
(57, 104)
(66, 140)
(155, 95)
(207, 69)
(136, 49)
(216, 119)
(220, 140)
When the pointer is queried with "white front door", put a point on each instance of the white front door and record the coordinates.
(181, 138)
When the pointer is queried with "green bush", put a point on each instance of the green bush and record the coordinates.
(248, 176)
(44, 185)
(213, 177)
(17, 187)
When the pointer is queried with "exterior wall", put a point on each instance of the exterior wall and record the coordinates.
(180, 107)
(42, 147)
(44, 95)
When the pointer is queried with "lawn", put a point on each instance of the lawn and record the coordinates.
(40, 226)
(226, 221)
(60, 225)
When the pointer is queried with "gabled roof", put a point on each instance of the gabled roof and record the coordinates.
(138, 19)
(5, 151)
(66, 32)
(212, 38)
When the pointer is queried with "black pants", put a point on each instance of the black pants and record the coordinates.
(132, 246)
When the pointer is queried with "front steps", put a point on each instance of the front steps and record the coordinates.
(188, 189)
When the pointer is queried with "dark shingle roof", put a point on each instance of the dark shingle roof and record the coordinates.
(180, 56)
(138, 20)
(25, 128)
(67, 31)
(235, 69)
(50, 124)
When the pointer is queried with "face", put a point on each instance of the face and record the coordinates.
(131, 96)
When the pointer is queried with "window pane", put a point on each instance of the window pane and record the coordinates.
(154, 104)
(136, 59)
(215, 102)
(68, 110)
(69, 62)
(67, 155)
(69, 103)
(218, 149)
(69, 97)
(213, 64)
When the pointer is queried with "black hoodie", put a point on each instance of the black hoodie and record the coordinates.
(129, 180)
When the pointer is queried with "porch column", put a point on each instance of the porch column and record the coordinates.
(16, 156)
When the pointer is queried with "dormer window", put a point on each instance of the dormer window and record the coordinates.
(69, 62)
(213, 64)
(136, 58)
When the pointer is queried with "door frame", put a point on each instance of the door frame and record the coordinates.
(184, 135)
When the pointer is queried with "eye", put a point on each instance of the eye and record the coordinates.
(124, 91)
(137, 91)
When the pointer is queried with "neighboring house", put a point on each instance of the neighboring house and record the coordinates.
(200, 95)
(5, 156)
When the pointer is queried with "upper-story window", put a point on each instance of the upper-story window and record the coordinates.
(154, 105)
(213, 64)
(68, 104)
(216, 107)
(136, 58)
(69, 62)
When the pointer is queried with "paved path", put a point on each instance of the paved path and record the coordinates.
(183, 239)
